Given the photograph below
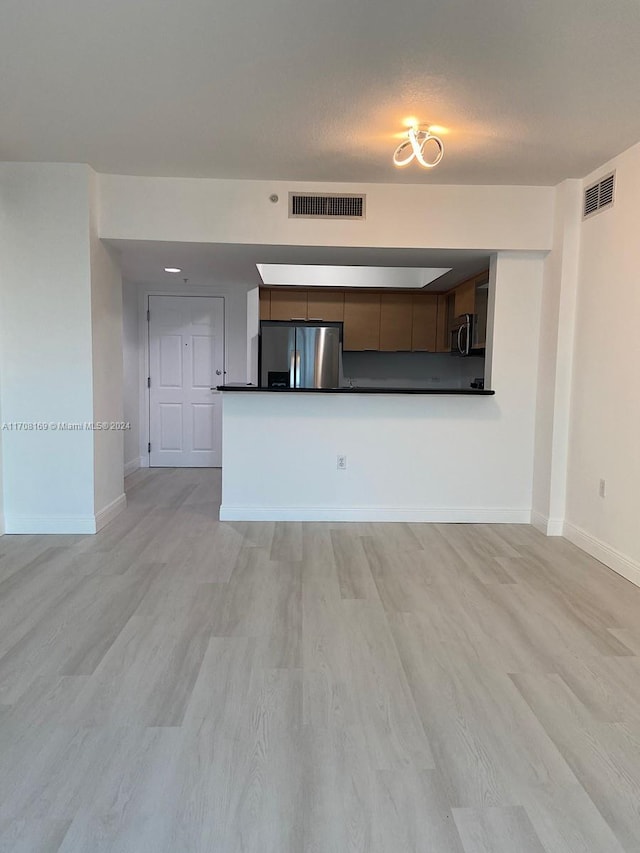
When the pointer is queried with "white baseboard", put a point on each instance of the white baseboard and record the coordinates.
(46, 524)
(109, 512)
(133, 465)
(374, 513)
(611, 557)
(548, 526)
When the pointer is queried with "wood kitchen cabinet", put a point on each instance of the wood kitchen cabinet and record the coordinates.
(424, 322)
(288, 304)
(386, 320)
(465, 298)
(446, 313)
(396, 321)
(265, 304)
(325, 305)
(361, 321)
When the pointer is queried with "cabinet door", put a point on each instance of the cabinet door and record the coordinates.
(482, 306)
(288, 304)
(361, 321)
(424, 322)
(326, 305)
(446, 313)
(465, 298)
(265, 304)
(395, 322)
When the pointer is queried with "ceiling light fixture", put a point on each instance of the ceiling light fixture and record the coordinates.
(172, 269)
(414, 147)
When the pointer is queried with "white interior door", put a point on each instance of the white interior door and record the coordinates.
(186, 360)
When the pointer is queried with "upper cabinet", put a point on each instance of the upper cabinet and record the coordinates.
(424, 322)
(465, 298)
(361, 320)
(283, 304)
(327, 305)
(288, 304)
(265, 304)
(383, 320)
(482, 308)
(396, 321)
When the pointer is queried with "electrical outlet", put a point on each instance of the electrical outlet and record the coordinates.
(341, 462)
(602, 489)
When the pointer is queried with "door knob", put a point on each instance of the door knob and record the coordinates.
(218, 373)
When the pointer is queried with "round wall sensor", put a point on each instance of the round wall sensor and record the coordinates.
(273, 198)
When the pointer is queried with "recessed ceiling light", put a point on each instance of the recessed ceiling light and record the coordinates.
(172, 269)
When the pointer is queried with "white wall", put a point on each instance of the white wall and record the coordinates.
(60, 319)
(605, 412)
(422, 216)
(45, 313)
(1, 421)
(1, 477)
(106, 330)
(253, 335)
(132, 379)
(409, 457)
(557, 331)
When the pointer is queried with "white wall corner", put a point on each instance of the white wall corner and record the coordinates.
(555, 362)
(133, 465)
(548, 526)
(605, 553)
(253, 332)
(109, 512)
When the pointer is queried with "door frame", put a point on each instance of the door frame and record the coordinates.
(143, 354)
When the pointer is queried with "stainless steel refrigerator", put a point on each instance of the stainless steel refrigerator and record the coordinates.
(300, 355)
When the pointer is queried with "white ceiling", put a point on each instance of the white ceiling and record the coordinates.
(530, 92)
(204, 263)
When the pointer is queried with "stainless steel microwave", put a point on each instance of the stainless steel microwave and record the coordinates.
(464, 336)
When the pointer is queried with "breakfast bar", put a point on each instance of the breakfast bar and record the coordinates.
(373, 455)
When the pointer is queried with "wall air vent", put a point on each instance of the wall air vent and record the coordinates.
(599, 195)
(326, 206)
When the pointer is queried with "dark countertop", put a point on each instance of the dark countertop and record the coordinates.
(469, 392)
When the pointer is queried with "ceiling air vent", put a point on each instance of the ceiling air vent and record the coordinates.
(326, 206)
(599, 195)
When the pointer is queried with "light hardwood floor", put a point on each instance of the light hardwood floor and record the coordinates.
(179, 685)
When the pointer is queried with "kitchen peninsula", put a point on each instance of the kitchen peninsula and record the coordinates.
(412, 455)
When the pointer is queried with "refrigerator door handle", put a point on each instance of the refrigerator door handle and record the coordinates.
(297, 368)
(292, 370)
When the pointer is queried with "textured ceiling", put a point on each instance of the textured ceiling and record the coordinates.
(529, 92)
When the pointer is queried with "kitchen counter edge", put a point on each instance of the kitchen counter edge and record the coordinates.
(468, 392)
